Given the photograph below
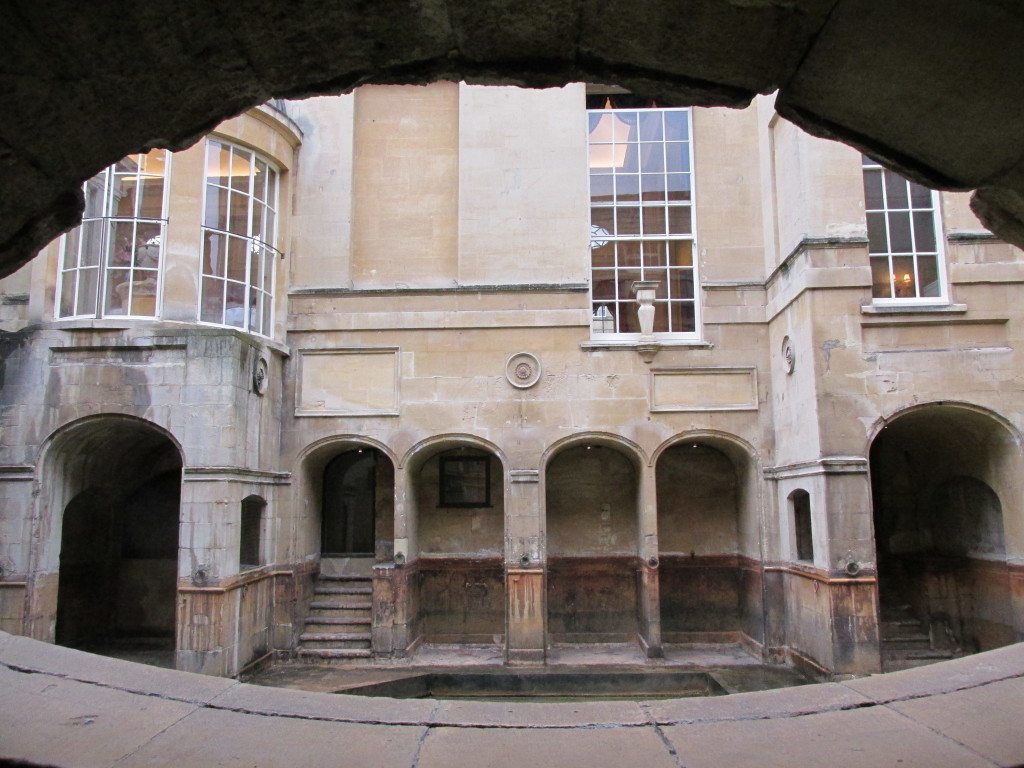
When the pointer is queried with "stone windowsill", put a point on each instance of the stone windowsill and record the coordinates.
(913, 309)
(634, 344)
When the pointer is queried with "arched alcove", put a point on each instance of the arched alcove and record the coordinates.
(939, 477)
(111, 493)
(591, 493)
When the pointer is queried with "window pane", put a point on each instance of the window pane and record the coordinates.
(260, 181)
(682, 317)
(255, 311)
(652, 158)
(628, 320)
(877, 242)
(675, 126)
(650, 126)
(213, 254)
(128, 165)
(628, 254)
(880, 288)
(604, 219)
(624, 126)
(94, 191)
(652, 186)
(680, 253)
(241, 169)
(71, 243)
(873, 190)
(267, 327)
(268, 273)
(237, 254)
(627, 187)
(216, 213)
(87, 286)
(680, 283)
(117, 292)
(234, 310)
(660, 277)
(123, 196)
(67, 293)
(679, 220)
(603, 317)
(147, 245)
(604, 284)
(899, 232)
(152, 198)
(626, 278)
(677, 158)
(920, 197)
(924, 231)
(928, 276)
(678, 186)
(654, 253)
(903, 271)
(896, 191)
(603, 256)
(653, 220)
(271, 187)
(212, 301)
(601, 187)
(144, 293)
(627, 221)
(122, 240)
(217, 163)
(661, 317)
(238, 214)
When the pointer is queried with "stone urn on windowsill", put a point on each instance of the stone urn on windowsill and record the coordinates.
(644, 291)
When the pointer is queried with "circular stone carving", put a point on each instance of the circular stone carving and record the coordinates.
(260, 375)
(788, 355)
(522, 370)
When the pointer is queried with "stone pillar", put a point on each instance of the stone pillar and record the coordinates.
(399, 587)
(648, 591)
(525, 583)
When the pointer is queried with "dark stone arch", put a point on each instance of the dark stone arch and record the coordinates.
(919, 83)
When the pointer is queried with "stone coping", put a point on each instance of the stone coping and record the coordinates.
(67, 707)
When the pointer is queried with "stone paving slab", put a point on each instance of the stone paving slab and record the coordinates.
(52, 721)
(860, 738)
(577, 715)
(339, 707)
(783, 702)
(998, 734)
(568, 748)
(945, 677)
(25, 653)
(212, 738)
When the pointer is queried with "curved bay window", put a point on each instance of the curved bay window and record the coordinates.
(239, 232)
(110, 265)
(904, 237)
(641, 214)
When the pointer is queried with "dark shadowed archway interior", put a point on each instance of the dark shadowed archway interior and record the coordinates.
(944, 585)
(119, 542)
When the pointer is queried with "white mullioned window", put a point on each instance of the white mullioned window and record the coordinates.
(239, 232)
(641, 216)
(110, 265)
(904, 236)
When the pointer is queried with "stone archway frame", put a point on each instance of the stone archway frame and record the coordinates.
(48, 512)
(917, 83)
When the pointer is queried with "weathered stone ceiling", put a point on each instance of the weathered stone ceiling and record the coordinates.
(934, 87)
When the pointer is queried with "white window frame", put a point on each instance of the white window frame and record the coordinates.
(272, 257)
(868, 164)
(691, 237)
(106, 216)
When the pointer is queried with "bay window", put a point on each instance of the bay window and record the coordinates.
(238, 236)
(110, 265)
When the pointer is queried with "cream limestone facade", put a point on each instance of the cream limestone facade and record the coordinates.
(430, 444)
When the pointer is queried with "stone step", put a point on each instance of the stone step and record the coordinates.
(917, 654)
(341, 605)
(333, 637)
(335, 653)
(896, 665)
(318, 590)
(357, 621)
(349, 579)
(919, 642)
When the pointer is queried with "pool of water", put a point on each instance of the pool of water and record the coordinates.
(505, 685)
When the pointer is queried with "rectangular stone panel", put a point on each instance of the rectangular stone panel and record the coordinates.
(348, 382)
(703, 389)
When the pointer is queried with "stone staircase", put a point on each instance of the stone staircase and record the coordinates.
(338, 623)
(906, 641)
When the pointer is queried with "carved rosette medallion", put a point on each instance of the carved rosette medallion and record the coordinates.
(260, 375)
(522, 370)
(788, 355)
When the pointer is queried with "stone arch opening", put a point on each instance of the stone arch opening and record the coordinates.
(591, 497)
(458, 512)
(708, 542)
(111, 499)
(946, 490)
